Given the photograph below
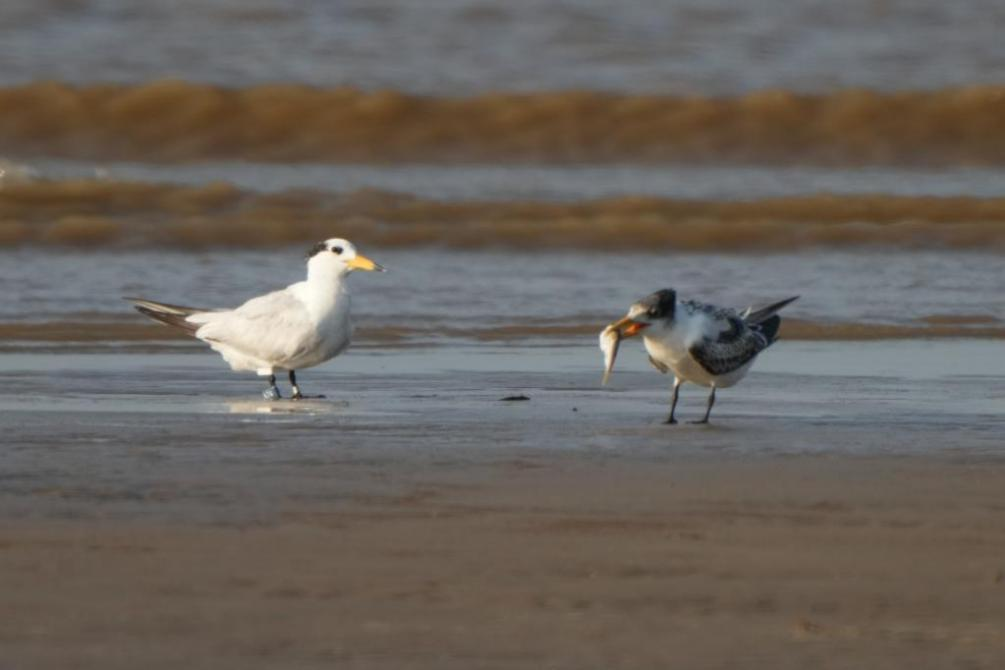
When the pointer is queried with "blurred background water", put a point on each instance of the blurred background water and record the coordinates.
(449, 47)
(509, 160)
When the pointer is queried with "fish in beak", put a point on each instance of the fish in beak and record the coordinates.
(628, 327)
(610, 340)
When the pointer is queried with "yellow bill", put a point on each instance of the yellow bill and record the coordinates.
(361, 262)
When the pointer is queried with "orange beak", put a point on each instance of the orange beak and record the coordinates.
(628, 327)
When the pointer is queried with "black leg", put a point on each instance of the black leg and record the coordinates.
(673, 401)
(708, 410)
(272, 393)
(297, 395)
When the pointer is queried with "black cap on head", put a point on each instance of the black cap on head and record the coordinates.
(316, 249)
(661, 304)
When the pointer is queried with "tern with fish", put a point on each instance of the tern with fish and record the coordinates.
(699, 343)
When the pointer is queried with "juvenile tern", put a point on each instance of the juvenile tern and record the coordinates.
(699, 343)
(297, 327)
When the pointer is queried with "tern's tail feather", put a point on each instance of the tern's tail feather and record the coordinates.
(765, 320)
(172, 315)
(769, 328)
(763, 314)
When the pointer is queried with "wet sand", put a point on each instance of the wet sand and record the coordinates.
(844, 510)
(540, 561)
(525, 172)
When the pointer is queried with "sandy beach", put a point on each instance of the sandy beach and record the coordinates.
(158, 514)
(468, 496)
(540, 561)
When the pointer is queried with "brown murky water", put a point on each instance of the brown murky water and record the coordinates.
(181, 121)
(90, 214)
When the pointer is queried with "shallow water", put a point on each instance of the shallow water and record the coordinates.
(178, 436)
(440, 297)
(550, 183)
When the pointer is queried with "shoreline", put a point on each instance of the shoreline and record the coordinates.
(843, 509)
(67, 334)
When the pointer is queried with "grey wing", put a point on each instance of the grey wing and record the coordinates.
(274, 327)
(718, 324)
(728, 344)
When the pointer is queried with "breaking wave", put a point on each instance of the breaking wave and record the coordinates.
(180, 121)
(83, 214)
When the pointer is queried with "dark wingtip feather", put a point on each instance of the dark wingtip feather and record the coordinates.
(175, 320)
(763, 314)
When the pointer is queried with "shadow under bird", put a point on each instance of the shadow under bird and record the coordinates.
(297, 327)
(699, 343)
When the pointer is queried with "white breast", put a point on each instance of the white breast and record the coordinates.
(670, 347)
(330, 312)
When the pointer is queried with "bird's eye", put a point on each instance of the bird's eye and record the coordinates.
(336, 250)
(652, 312)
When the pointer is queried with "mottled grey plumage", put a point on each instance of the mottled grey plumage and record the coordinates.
(700, 343)
(734, 344)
